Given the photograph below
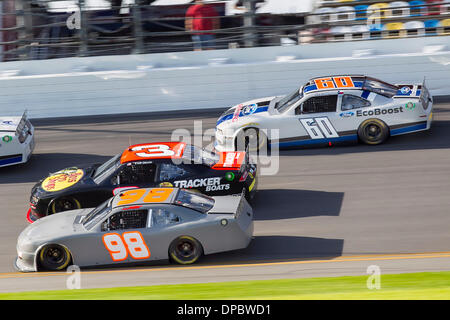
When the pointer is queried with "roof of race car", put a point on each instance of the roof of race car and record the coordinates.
(139, 197)
(151, 151)
(349, 82)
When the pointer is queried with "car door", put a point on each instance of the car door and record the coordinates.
(317, 117)
(123, 235)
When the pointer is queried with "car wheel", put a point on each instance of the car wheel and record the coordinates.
(185, 250)
(373, 131)
(251, 138)
(64, 204)
(54, 257)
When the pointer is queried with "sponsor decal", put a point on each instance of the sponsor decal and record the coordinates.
(8, 122)
(377, 112)
(166, 185)
(347, 114)
(244, 176)
(410, 106)
(247, 110)
(7, 139)
(236, 113)
(210, 184)
(229, 176)
(405, 90)
(62, 179)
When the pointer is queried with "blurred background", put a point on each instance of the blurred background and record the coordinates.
(46, 29)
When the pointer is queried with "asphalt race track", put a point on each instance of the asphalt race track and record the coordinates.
(328, 212)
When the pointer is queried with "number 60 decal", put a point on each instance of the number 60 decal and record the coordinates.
(132, 243)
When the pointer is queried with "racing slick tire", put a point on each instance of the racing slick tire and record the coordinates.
(53, 257)
(64, 204)
(373, 132)
(251, 139)
(185, 250)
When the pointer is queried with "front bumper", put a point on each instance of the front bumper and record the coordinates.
(25, 262)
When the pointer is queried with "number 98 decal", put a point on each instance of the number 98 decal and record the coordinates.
(129, 243)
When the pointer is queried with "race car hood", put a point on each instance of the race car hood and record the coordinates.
(246, 109)
(57, 225)
(64, 179)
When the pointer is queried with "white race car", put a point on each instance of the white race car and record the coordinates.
(325, 111)
(16, 140)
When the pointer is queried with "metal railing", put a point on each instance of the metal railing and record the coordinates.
(143, 28)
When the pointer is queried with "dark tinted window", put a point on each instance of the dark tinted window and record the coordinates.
(128, 219)
(170, 171)
(161, 217)
(137, 174)
(320, 104)
(350, 102)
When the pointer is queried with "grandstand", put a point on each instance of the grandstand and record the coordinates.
(347, 20)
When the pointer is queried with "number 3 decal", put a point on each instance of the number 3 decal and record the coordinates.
(154, 150)
(131, 243)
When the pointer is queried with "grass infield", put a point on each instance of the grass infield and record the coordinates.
(415, 286)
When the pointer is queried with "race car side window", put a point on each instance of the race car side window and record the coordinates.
(136, 174)
(162, 217)
(126, 219)
(350, 102)
(319, 104)
(170, 171)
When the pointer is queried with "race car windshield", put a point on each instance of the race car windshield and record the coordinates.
(195, 201)
(96, 215)
(105, 169)
(288, 100)
(201, 156)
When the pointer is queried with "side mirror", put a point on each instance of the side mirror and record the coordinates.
(105, 226)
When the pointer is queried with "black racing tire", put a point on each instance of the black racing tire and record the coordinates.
(54, 257)
(64, 204)
(251, 138)
(373, 132)
(185, 250)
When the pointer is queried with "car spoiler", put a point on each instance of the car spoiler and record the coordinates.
(240, 206)
(425, 97)
(22, 123)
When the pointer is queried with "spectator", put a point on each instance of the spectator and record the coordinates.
(202, 18)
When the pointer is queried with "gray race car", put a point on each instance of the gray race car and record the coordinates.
(137, 225)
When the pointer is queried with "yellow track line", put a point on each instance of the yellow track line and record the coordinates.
(373, 257)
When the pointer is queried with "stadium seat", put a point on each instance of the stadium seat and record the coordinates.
(398, 9)
(377, 11)
(417, 8)
(375, 30)
(361, 12)
(360, 32)
(432, 27)
(413, 29)
(445, 8)
(435, 9)
(340, 33)
(445, 27)
(345, 13)
(326, 14)
(392, 30)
